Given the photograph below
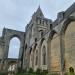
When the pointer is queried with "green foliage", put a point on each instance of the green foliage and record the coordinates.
(30, 70)
(53, 74)
(19, 70)
(44, 72)
(24, 71)
(41, 72)
(71, 71)
(38, 71)
(3, 73)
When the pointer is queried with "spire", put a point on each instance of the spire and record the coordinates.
(38, 13)
(39, 9)
(4, 28)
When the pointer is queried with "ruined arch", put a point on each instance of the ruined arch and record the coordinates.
(67, 42)
(66, 22)
(14, 46)
(51, 34)
(7, 36)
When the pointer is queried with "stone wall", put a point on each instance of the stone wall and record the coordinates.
(1, 52)
(70, 46)
(55, 53)
(1, 48)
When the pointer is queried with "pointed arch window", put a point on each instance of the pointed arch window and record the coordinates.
(14, 48)
(44, 55)
(36, 58)
(51, 26)
(39, 21)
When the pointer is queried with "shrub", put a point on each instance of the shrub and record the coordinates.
(38, 71)
(54, 74)
(71, 71)
(30, 70)
(19, 70)
(44, 72)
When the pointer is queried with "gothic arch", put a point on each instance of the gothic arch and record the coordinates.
(44, 49)
(14, 45)
(51, 34)
(44, 55)
(65, 33)
(36, 57)
(66, 23)
(7, 36)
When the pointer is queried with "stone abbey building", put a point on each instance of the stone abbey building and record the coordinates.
(45, 44)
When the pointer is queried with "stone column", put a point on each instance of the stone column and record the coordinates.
(62, 50)
(39, 56)
(49, 54)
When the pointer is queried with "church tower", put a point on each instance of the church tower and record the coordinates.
(35, 30)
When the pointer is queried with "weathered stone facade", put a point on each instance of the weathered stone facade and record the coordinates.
(46, 44)
(7, 35)
(50, 45)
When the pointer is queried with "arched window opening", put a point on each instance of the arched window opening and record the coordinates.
(38, 21)
(41, 33)
(36, 58)
(51, 26)
(44, 55)
(14, 48)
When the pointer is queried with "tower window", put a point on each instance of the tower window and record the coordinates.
(35, 39)
(43, 22)
(39, 21)
(51, 26)
(41, 33)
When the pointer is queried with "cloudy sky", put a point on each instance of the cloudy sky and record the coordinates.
(15, 14)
